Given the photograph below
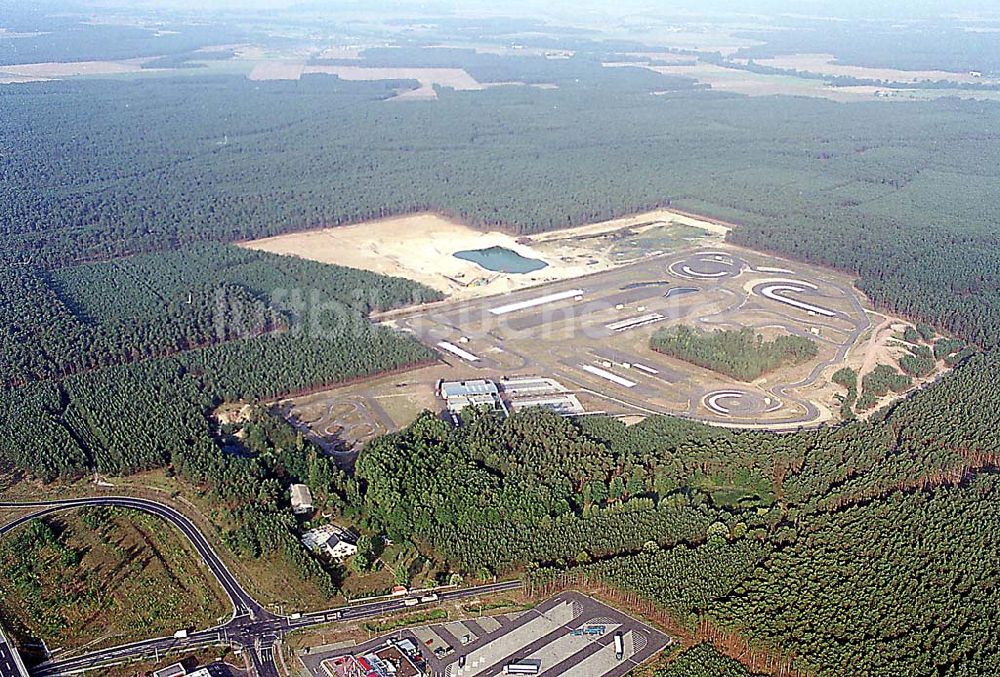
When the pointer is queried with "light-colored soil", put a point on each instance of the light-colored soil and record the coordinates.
(503, 50)
(8, 79)
(826, 64)
(232, 413)
(877, 348)
(757, 84)
(427, 77)
(6, 34)
(668, 57)
(421, 247)
(277, 70)
(34, 72)
(703, 38)
(341, 52)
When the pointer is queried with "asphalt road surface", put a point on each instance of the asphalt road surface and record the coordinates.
(10, 662)
(552, 339)
(252, 628)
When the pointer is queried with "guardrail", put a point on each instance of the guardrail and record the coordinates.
(18, 663)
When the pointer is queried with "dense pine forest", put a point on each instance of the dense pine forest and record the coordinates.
(740, 353)
(115, 367)
(127, 316)
(864, 548)
(901, 195)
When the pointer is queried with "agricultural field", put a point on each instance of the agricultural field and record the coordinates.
(827, 64)
(743, 82)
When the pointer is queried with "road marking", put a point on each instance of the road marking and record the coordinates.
(713, 401)
(537, 301)
(455, 350)
(696, 273)
(634, 322)
(614, 378)
(771, 292)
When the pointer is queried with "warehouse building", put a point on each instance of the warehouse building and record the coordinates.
(459, 395)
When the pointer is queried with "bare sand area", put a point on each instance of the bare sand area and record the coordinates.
(421, 247)
(277, 70)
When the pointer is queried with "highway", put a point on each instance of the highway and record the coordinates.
(252, 628)
(10, 661)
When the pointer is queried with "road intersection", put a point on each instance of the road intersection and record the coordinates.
(252, 629)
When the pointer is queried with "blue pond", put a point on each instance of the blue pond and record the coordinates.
(501, 260)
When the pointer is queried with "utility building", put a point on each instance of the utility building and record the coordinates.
(478, 393)
(302, 500)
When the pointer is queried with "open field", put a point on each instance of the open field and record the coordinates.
(427, 77)
(827, 64)
(758, 84)
(421, 247)
(103, 577)
(277, 70)
(265, 578)
(340, 422)
(38, 72)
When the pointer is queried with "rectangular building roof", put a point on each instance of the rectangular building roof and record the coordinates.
(451, 389)
(301, 496)
(175, 670)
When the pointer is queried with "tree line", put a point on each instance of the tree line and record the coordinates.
(905, 206)
(740, 353)
(539, 493)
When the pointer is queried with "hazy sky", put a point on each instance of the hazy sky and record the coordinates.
(840, 8)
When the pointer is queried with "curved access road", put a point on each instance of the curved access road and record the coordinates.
(243, 604)
(252, 629)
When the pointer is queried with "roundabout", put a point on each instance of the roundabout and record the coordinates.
(740, 403)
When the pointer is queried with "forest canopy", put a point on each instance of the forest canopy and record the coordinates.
(741, 353)
(906, 203)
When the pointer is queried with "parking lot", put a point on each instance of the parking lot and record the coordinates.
(569, 634)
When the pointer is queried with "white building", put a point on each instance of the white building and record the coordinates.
(175, 670)
(302, 500)
(478, 393)
(330, 540)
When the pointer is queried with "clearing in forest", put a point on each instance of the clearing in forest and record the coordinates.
(101, 577)
(828, 65)
(422, 247)
(39, 72)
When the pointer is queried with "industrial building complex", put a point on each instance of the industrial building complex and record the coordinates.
(509, 395)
